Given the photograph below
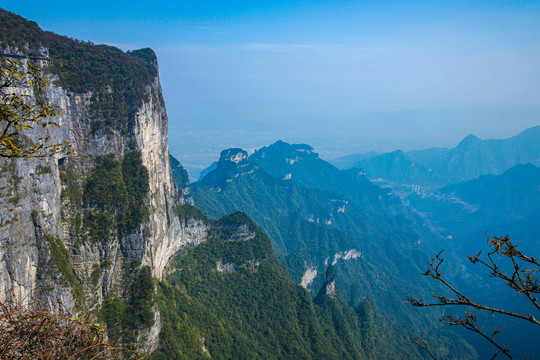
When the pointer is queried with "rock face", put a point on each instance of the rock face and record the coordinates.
(86, 223)
(330, 282)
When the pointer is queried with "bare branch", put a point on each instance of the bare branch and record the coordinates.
(523, 280)
(468, 321)
(29, 332)
(420, 343)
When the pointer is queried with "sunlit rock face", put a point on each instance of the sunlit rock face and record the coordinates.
(65, 246)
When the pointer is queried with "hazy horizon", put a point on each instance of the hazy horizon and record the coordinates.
(345, 77)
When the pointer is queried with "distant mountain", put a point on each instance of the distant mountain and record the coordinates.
(347, 162)
(471, 158)
(506, 204)
(209, 169)
(317, 216)
(500, 204)
(397, 167)
(299, 163)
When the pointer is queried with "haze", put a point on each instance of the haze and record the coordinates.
(342, 76)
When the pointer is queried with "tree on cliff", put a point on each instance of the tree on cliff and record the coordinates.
(504, 262)
(21, 112)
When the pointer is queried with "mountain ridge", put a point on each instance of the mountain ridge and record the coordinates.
(314, 223)
(471, 158)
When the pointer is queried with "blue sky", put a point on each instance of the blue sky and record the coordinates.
(344, 76)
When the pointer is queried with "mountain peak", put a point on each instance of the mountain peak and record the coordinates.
(469, 140)
(285, 152)
(233, 155)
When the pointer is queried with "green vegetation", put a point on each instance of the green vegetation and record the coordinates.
(99, 225)
(339, 212)
(14, 200)
(105, 187)
(43, 169)
(123, 320)
(70, 187)
(117, 80)
(506, 204)
(21, 112)
(114, 196)
(253, 312)
(179, 174)
(187, 211)
(59, 260)
(95, 275)
(135, 176)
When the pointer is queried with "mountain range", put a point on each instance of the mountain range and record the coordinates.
(317, 215)
(437, 167)
(109, 232)
(277, 255)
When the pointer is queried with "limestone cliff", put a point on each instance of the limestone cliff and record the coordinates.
(76, 229)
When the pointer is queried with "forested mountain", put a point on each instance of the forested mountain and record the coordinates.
(471, 158)
(347, 161)
(318, 273)
(377, 247)
(110, 234)
(232, 296)
(499, 204)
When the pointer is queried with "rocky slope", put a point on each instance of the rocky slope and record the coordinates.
(75, 230)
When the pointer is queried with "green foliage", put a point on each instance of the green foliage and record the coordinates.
(117, 80)
(253, 312)
(141, 294)
(14, 200)
(187, 211)
(123, 320)
(99, 225)
(105, 187)
(135, 175)
(95, 275)
(112, 314)
(114, 196)
(20, 114)
(340, 213)
(70, 187)
(179, 174)
(43, 169)
(59, 260)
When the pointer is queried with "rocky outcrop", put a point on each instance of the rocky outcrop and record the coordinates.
(308, 277)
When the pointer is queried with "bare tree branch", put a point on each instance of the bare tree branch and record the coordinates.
(523, 280)
(28, 331)
(419, 343)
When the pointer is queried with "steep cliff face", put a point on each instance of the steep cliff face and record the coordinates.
(87, 223)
